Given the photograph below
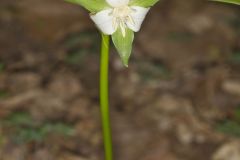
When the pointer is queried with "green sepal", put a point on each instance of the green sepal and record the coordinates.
(91, 5)
(123, 44)
(229, 1)
(143, 3)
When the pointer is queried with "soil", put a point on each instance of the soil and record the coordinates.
(178, 100)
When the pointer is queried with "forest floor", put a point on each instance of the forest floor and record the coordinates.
(178, 100)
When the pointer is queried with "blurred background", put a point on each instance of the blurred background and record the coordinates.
(178, 100)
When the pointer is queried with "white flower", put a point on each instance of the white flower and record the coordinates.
(118, 18)
(120, 15)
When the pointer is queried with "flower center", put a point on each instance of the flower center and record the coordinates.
(122, 16)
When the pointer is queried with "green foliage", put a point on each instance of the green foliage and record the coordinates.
(2, 66)
(150, 71)
(79, 46)
(59, 128)
(234, 22)
(143, 3)
(91, 5)
(229, 1)
(231, 126)
(76, 57)
(123, 44)
(24, 129)
(2, 139)
(3, 94)
(87, 39)
(235, 58)
(236, 114)
(38, 134)
(19, 119)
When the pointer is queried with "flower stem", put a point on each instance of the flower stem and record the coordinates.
(104, 64)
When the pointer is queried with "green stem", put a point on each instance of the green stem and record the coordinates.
(107, 137)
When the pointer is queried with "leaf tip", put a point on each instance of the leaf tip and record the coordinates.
(126, 65)
(125, 61)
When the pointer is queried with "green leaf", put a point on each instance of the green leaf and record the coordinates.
(123, 44)
(143, 3)
(19, 118)
(229, 127)
(229, 1)
(91, 5)
(2, 66)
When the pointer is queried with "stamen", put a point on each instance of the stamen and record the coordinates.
(115, 23)
(130, 19)
(122, 16)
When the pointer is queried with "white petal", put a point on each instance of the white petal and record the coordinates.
(138, 15)
(117, 3)
(103, 20)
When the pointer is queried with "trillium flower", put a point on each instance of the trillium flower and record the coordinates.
(118, 18)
